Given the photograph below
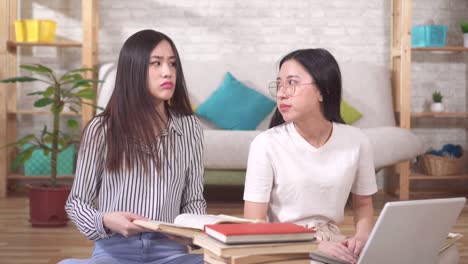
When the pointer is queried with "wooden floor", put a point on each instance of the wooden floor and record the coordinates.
(19, 243)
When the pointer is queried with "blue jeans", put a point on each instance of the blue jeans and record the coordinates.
(151, 248)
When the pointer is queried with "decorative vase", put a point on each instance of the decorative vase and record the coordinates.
(437, 107)
(465, 40)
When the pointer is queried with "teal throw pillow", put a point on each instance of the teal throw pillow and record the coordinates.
(235, 106)
(349, 113)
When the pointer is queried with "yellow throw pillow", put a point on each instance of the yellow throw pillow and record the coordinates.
(349, 113)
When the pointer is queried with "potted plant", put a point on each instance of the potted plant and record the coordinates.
(437, 105)
(464, 29)
(47, 199)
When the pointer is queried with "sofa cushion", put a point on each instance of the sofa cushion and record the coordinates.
(227, 149)
(367, 87)
(349, 113)
(107, 73)
(235, 106)
(393, 144)
(230, 149)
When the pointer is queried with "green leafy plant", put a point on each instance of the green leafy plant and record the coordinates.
(464, 26)
(70, 89)
(437, 97)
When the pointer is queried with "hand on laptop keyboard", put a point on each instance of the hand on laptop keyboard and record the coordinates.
(354, 244)
(337, 250)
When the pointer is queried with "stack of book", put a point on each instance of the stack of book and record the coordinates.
(227, 239)
(256, 243)
(216, 252)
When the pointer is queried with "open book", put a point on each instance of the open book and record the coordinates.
(188, 225)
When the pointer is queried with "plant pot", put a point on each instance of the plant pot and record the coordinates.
(437, 107)
(47, 205)
(465, 40)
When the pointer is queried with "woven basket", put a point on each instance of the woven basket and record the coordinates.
(440, 166)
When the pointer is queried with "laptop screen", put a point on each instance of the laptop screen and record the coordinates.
(411, 231)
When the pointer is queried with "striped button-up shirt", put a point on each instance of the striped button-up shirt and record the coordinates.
(178, 188)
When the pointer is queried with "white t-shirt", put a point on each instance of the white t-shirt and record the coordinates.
(304, 184)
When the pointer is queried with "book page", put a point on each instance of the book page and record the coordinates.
(168, 228)
(199, 221)
(234, 219)
(152, 224)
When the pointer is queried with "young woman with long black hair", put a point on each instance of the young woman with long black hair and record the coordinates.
(140, 159)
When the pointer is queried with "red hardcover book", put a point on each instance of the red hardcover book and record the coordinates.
(259, 233)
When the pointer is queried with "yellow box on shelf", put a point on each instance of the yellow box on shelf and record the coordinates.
(34, 30)
(20, 30)
(47, 30)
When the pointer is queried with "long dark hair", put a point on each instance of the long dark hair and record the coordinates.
(131, 118)
(322, 66)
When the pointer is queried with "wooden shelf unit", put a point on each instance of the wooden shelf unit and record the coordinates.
(401, 52)
(446, 48)
(420, 176)
(8, 62)
(437, 115)
(13, 45)
(37, 177)
(35, 112)
(441, 115)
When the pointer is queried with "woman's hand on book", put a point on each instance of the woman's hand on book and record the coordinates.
(121, 222)
(337, 250)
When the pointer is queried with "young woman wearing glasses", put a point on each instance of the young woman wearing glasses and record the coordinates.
(305, 166)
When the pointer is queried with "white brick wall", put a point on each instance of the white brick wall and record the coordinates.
(211, 29)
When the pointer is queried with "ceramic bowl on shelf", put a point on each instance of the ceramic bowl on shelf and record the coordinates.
(437, 107)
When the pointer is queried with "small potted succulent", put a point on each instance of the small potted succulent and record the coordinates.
(464, 29)
(437, 105)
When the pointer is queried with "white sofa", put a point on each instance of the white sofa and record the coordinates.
(366, 87)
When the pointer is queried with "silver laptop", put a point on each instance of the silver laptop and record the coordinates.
(411, 231)
(408, 232)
